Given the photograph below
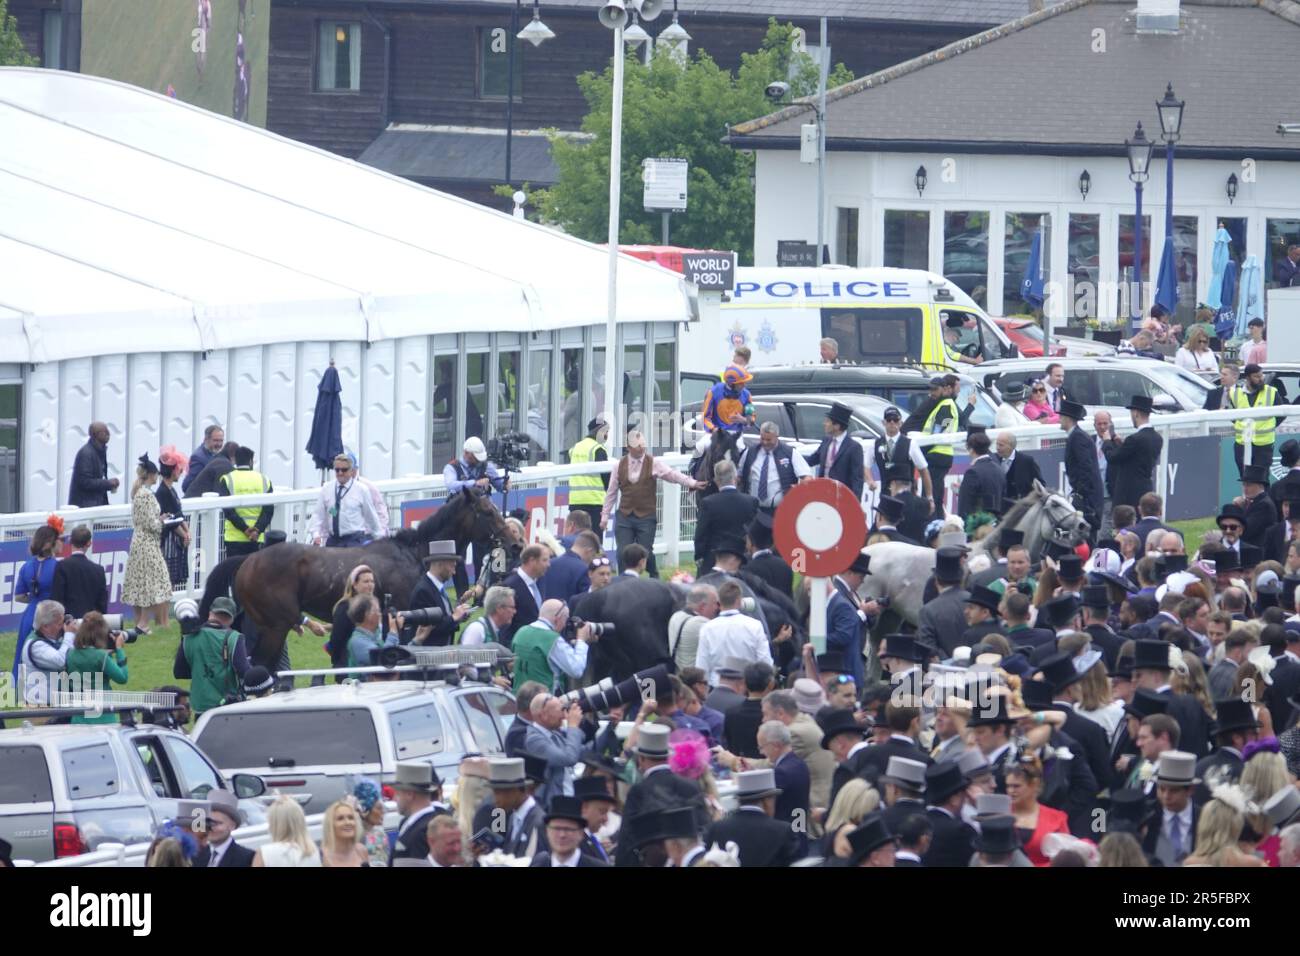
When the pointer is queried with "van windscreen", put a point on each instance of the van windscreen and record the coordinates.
(875, 335)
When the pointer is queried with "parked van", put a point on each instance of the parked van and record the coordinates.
(893, 316)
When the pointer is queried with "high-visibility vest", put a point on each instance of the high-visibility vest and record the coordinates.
(950, 428)
(585, 489)
(1264, 427)
(244, 481)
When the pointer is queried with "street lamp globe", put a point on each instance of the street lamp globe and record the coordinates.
(674, 34)
(536, 32)
(1139, 155)
(1171, 115)
(635, 35)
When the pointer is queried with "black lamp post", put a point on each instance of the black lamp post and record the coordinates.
(1139, 158)
(1170, 110)
(920, 180)
(535, 33)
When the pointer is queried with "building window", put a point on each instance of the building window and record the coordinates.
(1185, 235)
(1127, 276)
(571, 420)
(476, 408)
(52, 39)
(539, 403)
(444, 445)
(10, 401)
(966, 253)
(907, 239)
(1082, 259)
(1279, 235)
(846, 236)
(494, 64)
(664, 437)
(338, 56)
(1021, 227)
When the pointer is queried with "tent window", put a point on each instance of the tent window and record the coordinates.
(338, 56)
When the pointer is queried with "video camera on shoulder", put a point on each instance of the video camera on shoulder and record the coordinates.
(509, 450)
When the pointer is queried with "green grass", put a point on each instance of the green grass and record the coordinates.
(1192, 529)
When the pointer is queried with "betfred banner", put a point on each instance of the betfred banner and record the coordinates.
(109, 549)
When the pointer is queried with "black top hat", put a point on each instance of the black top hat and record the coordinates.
(1251, 555)
(861, 564)
(1226, 560)
(906, 648)
(6, 853)
(1234, 714)
(534, 769)
(1008, 538)
(832, 662)
(1013, 392)
(595, 761)
(675, 824)
(1059, 671)
(1123, 667)
(1054, 549)
(1231, 510)
(1292, 501)
(840, 414)
(1129, 806)
(1037, 694)
(566, 808)
(1116, 579)
(1059, 611)
(1172, 563)
(890, 507)
(1070, 567)
(995, 710)
(1073, 410)
(1255, 474)
(998, 835)
(942, 780)
(1146, 703)
(839, 721)
(1109, 544)
(985, 597)
(1141, 403)
(763, 518)
(947, 565)
(1096, 595)
(590, 787)
(1151, 655)
(872, 833)
(730, 544)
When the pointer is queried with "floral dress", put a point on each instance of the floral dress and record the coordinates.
(375, 842)
(147, 579)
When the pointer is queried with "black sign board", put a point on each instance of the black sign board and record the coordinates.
(711, 271)
(795, 252)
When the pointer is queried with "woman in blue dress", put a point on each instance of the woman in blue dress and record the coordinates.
(36, 579)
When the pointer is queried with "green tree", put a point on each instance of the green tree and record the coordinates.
(12, 52)
(673, 108)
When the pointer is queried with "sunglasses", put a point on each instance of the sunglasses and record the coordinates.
(1038, 388)
(598, 563)
(842, 679)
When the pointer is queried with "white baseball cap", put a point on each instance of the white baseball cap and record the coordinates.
(475, 447)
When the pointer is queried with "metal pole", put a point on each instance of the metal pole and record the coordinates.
(665, 228)
(615, 185)
(821, 146)
(817, 615)
(510, 87)
(1169, 188)
(1136, 309)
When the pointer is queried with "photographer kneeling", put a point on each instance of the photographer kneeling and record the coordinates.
(543, 651)
(96, 662)
(212, 656)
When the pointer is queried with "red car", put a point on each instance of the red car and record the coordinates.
(1027, 336)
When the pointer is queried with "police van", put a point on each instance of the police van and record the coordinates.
(892, 316)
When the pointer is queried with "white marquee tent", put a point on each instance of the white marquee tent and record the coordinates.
(147, 233)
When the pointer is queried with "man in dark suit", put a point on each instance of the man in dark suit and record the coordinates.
(80, 584)
(567, 575)
(984, 484)
(223, 817)
(845, 619)
(1286, 270)
(209, 479)
(1151, 671)
(1064, 672)
(431, 592)
(1096, 614)
(1286, 683)
(659, 789)
(792, 779)
(953, 842)
(1020, 468)
(981, 615)
(90, 482)
(1135, 458)
(904, 725)
(517, 733)
(943, 620)
(1149, 508)
(763, 840)
(418, 791)
(1081, 468)
(764, 561)
(839, 456)
(1171, 834)
(723, 514)
(1220, 397)
(1235, 726)
(1261, 512)
(740, 724)
(916, 510)
(889, 513)
(1015, 616)
(566, 829)
(843, 736)
(525, 581)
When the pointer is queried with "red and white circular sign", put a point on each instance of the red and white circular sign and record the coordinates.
(819, 527)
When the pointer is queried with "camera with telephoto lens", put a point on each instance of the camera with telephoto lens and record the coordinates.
(883, 601)
(187, 615)
(598, 628)
(595, 698)
(114, 622)
(420, 616)
(509, 450)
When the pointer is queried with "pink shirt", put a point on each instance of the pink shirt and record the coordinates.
(1254, 353)
(1040, 411)
(661, 471)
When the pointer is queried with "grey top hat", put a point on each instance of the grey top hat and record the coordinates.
(992, 805)
(756, 784)
(442, 551)
(905, 773)
(973, 763)
(506, 773)
(1283, 805)
(188, 810)
(652, 741)
(227, 803)
(1177, 767)
(416, 776)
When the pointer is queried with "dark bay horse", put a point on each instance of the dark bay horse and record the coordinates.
(276, 586)
(722, 444)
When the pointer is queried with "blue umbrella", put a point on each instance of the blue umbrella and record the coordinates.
(1167, 281)
(1218, 263)
(1226, 319)
(1031, 286)
(1250, 303)
(326, 438)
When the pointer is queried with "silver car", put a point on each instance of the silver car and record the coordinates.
(65, 789)
(314, 742)
(1108, 383)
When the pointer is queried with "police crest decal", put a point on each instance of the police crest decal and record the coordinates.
(766, 337)
(736, 336)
